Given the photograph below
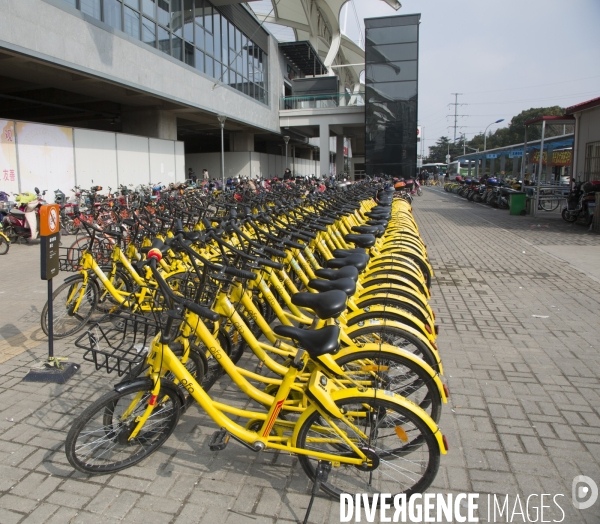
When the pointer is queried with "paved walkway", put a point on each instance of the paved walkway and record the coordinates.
(519, 341)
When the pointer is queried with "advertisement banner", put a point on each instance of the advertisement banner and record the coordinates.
(559, 158)
(9, 177)
(46, 158)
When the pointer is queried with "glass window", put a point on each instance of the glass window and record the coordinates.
(217, 35)
(391, 91)
(112, 13)
(71, 2)
(238, 40)
(392, 52)
(231, 35)
(199, 12)
(208, 19)
(148, 32)
(199, 60)
(231, 62)
(188, 54)
(177, 47)
(208, 43)
(244, 55)
(209, 66)
(163, 40)
(133, 3)
(131, 23)
(224, 25)
(188, 20)
(392, 71)
(91, 7)
(239, 82)
(163, 12)
(199, 37)
(383, 35)
(238, 62)
(218, 70)
(149, 7)
(176, 17)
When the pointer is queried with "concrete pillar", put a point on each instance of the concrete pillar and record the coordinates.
(152, 123)
(469, 172)
(324, 150)
(241, 141)
(503, 164)
(351, 166)
(515, 165)
(477, 168)
(492, 166)
(339, 154)
(483, 166)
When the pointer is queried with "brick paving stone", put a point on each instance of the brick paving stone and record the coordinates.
(523, 416)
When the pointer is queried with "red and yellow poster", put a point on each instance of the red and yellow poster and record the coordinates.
(9, 177)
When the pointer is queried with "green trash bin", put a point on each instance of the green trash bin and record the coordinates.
(517, 203)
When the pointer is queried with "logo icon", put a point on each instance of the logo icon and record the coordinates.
(584, 492)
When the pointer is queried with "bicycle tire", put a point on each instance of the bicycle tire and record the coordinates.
(121, 281)
(404, 377)
(382, 418)
(114, 450)
(394, 336)
(62, 311)
(4, 246)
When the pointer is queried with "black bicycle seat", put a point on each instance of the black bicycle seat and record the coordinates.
(378, 214)
(335, 274)
(364, 241)
(341, 253)
(358, 261)
(316, 342)
(330, 304)
(347, 285)
(369, 230)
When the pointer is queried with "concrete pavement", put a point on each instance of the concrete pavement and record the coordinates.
(519, 342)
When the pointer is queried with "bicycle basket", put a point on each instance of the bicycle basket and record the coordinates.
(68, 258)
(119, 342)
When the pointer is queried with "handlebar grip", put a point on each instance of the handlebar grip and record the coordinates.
(200, 310)
(290, 243)
(240, 273)
(274, 252)
(305, 235)
(269, 263)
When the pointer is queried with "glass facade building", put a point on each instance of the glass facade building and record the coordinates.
(391, 77)
(192, 31)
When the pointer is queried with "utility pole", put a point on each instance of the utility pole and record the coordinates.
(456, 115)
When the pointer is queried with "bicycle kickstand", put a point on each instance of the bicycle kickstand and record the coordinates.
(321, 474)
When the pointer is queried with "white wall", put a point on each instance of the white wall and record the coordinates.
(247, 164)
(95, 159)
(55, 157)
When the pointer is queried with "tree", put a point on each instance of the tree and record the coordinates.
(438, 152)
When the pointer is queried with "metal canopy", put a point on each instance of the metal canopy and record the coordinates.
(560, 120)
(304, 56)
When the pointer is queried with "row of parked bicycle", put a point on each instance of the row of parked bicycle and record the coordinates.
(325, 295)
(578, 201)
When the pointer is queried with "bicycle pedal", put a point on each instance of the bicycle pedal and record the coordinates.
(219, 440)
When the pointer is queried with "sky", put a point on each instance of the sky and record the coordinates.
(504, 56)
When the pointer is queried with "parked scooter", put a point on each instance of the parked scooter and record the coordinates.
(581, 202)
(24, 220)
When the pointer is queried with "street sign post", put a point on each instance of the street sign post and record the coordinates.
(54, 369)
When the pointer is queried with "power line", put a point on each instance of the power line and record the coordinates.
(456, 115)
(532, 99)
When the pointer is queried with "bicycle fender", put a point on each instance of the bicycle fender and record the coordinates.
(412, 331)
(400, 298)
(341, 394)
(147, 382)
(389, 349)
(356, 316)
(74, 277)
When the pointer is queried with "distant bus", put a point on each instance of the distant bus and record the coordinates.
(438, 168)
(460, 168)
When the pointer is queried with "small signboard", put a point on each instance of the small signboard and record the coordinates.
(515, 154)
(50, 240)
(491, 155)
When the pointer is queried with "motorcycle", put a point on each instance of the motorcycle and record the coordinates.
(581, 202)
(24, 221)
(69, 211)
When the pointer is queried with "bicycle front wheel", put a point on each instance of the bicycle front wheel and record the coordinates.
(98, 443)
(4, 246)
(403, 449)
(73, 304)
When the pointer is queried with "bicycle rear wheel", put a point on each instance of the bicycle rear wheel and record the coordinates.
(402, 447)
(4, 246)
(98, 441)
(69, 316)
